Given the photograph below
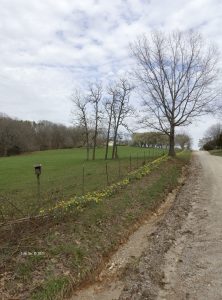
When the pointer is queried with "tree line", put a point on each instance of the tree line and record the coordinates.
(212, 138)
(160, 140)
(17, 136)
(103, 109)
(175, 78)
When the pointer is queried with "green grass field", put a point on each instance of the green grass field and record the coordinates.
(76, 244)
(61, 176)
(216, 152)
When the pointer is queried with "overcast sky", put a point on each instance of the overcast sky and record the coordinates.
(48, 47)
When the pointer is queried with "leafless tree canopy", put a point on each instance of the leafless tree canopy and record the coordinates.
(95, 97)
(121, 108)
(102, 112)
(213, 132)
(212, 138)
(80, 101)
(149, 139)
(177, 73)
(183, 140)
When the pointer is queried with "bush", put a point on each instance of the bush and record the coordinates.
(209, 146)
(14, 150)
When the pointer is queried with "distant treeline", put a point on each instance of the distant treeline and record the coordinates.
(18, 136)
(150, 139)
(160, 140)
(212, 138)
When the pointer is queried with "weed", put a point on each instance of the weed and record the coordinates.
(52, 289)
(24, 268)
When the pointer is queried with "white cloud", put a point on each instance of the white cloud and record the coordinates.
(49, 46)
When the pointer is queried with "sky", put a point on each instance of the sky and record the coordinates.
(50, 47)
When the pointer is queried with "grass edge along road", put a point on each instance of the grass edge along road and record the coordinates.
(216, 152)
(76, 246)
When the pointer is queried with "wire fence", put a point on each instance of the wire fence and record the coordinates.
(79, 180)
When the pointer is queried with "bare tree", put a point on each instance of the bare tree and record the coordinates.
(95, 97)
(212, 138)
(108, 107)
(18, 136)
(213, 132)
(121, 108)
(81, 101)
(150, 139)
(183, 140)
(177, 72)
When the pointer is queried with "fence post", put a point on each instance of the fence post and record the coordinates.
(38, 190)
(107, 175)
(38, 171)
(83, 179)
(137, 163)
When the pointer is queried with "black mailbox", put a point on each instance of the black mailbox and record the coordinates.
(38, 169)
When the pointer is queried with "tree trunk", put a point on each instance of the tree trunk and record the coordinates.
(107, 138)
(114, 148)
(94, 147)
(116, 152)
(172, 152)
(87, 152)
(87, 145)
(114, 143)
(94, 152)
(107, 147)
(95, 136)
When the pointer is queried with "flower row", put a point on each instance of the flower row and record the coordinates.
(80, 202)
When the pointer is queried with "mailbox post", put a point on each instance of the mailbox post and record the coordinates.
(38, 171)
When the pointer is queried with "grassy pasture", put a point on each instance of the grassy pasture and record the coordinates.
(61, 176)
(76, 245)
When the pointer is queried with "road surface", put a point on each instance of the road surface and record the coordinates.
(182, 254)
(193, 266)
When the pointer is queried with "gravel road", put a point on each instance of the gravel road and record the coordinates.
(193, 266)
(182, 254)
(184, 259)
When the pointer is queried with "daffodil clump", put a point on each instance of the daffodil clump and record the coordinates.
(80, 202)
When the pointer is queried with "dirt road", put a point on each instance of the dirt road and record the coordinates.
(193, 266)
(182, 251)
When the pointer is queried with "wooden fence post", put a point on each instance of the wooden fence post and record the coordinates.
(83, 179)
(107, 175)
